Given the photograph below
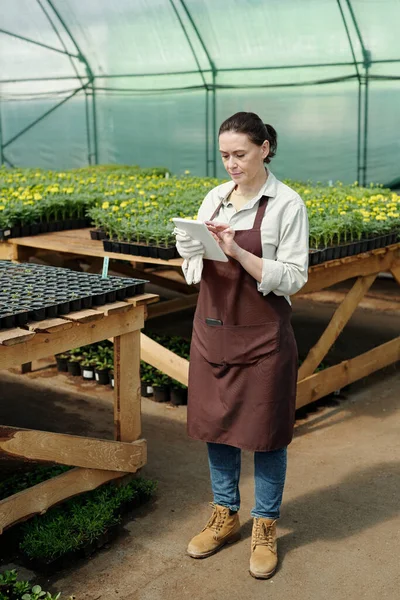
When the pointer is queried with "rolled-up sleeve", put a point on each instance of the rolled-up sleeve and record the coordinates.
(288, 273)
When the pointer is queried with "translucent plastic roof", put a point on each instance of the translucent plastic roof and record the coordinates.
(303, 66)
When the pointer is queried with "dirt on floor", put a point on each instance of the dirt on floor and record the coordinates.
(338, 534)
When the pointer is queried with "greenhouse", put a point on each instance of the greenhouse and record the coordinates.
(182, 324)
(139, 82)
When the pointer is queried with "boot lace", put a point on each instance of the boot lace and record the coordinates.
(263, 535)
(216, 520)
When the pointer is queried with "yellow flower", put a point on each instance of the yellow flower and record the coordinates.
(343, 212)
(123, 204)
(105, 205)
(141, 192)
(115, 208)
(2, 207)
(187, 172)
(37, 196)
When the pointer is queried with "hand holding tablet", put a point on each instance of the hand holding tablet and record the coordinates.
(199, 231)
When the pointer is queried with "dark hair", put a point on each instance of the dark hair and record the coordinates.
(251, 124)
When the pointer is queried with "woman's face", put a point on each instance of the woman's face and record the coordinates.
(242, 159)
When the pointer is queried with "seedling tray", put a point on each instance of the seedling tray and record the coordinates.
(35, 292)
(145, 250)
(318, 256)
(38, 228)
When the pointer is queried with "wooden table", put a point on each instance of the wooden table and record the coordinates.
(96, 461)
(311, 386)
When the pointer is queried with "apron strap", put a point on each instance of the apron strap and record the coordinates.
(260, 212)
(217, 210)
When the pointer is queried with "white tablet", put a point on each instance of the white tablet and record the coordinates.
(198, 231)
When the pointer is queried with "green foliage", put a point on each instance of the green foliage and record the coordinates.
(81, 520)
(11, 589)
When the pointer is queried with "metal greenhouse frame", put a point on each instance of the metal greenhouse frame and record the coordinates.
(209, 78)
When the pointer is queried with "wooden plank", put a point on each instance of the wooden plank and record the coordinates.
(143, 299)
(6, 251)
(39, 498)
(171, 306)
(341, 316)
(166, 361)
(327, 381)
(84, 316)
(127, 397)
(11, 337)
(62, 449)
(50, 325)
(323, 276)
(81, 334)
(115, 307)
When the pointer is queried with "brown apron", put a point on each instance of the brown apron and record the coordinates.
(243, 373)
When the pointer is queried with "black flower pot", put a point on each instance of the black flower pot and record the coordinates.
(37, 313)
(134, 249)
(63, 308)
(108, 246)
(161, 393)
(25, 230)
(62, 363)
(101, 376)
(87, 372)
(364, 246)
(328, 254)
(74, 368)
(166, 253)
(146, 390)
(116, 247)
(94, 234)
(111, 296)
(153, 252)
(7, 321)
(179, 396)
(35, 229)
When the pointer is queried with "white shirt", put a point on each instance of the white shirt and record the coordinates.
(284, 232)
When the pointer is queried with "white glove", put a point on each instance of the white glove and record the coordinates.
(187, 246)
(192, 269)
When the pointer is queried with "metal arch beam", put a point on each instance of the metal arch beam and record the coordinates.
(90, 75)
(367, 64)
(214, 93)
(359, 90)
(36, 43)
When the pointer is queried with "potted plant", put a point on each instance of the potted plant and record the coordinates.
(87, 367)
(73, 364)
(101, 372)
(179, 393)
(161, 387)
(62, 361)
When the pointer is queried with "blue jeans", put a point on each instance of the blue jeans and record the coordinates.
(269, 476)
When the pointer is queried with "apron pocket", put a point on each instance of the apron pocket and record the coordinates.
(237, 344)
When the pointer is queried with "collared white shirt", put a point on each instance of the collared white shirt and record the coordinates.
(284, 232)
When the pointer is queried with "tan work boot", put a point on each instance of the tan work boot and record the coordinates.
(264, 555)
(222, 528)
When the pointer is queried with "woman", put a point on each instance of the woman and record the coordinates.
(243, 363)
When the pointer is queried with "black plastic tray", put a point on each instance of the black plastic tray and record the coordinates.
(318, 256)
(36, 292)
(140, 250)
(38, 228)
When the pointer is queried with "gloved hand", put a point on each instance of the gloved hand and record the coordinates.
(187, 246)
(192, 252)
(192, 269)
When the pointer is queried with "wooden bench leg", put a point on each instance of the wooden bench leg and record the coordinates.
(127, 398)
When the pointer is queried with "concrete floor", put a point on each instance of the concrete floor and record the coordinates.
(339, 531)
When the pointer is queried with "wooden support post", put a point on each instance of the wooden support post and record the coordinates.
(166, 361)
(395, 271)
(341, 316)
(29, 445)
(127, 397)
